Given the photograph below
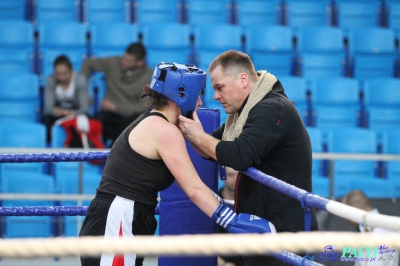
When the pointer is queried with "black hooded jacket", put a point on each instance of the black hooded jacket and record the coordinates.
(275, 141)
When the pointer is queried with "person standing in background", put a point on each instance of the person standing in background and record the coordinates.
(125, 77)
(65, 94)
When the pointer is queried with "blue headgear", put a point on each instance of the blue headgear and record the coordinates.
(179, 83)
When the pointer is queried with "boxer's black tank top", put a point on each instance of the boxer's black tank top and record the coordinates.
(131, 175)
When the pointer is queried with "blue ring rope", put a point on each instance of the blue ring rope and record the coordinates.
(53, 157)
(49, 211)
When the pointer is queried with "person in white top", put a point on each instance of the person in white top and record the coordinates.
(66, 93)
(386, 255)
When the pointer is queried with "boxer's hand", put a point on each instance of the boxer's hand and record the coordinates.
(242, 223)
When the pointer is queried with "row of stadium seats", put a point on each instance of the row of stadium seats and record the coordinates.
(375, 178)
(308, 52)
(329, 102)
(343, 13)
(323, 102)
(32, 178)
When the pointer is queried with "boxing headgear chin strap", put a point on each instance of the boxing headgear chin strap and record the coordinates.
(179, 83)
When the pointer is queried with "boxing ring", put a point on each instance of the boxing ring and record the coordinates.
(177, 246)
(280, 245)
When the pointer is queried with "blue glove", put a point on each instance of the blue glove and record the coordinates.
(242, 223)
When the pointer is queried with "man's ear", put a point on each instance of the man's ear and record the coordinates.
(244, 79)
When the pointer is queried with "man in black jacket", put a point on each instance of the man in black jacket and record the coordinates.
(264, 131)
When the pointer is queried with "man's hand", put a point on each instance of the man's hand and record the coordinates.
(191, 128)
(108, 105)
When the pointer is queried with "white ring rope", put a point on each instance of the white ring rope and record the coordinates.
(194, 244)
(370, 219)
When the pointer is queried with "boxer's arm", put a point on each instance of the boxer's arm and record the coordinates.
(172, 149)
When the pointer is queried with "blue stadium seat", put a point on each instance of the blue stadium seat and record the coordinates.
(357, 174)
(157, 11)
(300, 13)
(327, 118)
(381, 119)
(391, 145)
(382, 92)
(23, 135)
(372, 52)
(320, 51)
(210, 40)
(67, 182)
(9, 169)
(58, 136)
(35, 226)
(20, 96)
(58, 38)
(296, 89)
(317, 145)
(106, 11)
(392, 14)
(16, 46)
(111, 38)
(162, 48)
(19, 86)
(357, 13)
(18, 111)
(258, 12)
(335, 102)
(208, 12)
(97, 90)
(270, 48)
(50, 10)
(320, 182)
(15, 9)
(17, 34)
(66, 176)
(17, 61)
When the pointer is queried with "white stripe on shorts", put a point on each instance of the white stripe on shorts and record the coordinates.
(120, 213)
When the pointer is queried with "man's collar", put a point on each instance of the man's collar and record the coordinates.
(243, 104)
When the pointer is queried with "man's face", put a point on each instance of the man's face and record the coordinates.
(228, 91)
(129, 62)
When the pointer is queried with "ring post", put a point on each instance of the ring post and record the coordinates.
(178, 215)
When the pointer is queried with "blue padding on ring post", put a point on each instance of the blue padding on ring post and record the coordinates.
(178, 215)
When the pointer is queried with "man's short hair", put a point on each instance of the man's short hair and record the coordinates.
(233, 63)
(136, 49)
(357, 198)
